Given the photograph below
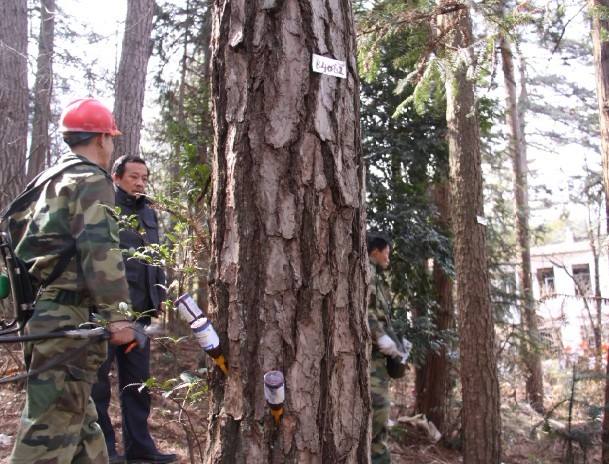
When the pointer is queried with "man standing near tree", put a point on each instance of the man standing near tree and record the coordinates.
(68, 238)
(146, 289)
(389, 355)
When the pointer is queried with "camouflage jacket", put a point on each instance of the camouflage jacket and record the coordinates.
(75, 208)
(379, 307)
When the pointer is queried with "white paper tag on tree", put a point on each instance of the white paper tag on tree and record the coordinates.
(481, 220)
(328, 66)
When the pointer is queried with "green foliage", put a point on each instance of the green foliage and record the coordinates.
(428, 93)
(401, 203)
(187, 392)
(184, 137)
(405, 156)
(600, 11)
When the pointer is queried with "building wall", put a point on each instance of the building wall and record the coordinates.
(563, 316)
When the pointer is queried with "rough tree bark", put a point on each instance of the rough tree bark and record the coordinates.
(481, 422)
(517, 149)
(131, 77)
(600, 27)
(434, 375)
(43, 87)
(13, 98)
(287, 278)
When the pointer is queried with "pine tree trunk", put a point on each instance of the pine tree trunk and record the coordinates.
(517, 147)
(434, 381)
(43, 87)
(131, 78)
(287, 284)
(13, 98)
(481, 422)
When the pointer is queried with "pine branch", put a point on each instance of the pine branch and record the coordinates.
(414, 17)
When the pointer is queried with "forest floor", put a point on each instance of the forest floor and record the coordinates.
(174, 423)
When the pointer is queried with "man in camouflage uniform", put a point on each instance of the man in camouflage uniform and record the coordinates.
(73, 212)
(384, 345)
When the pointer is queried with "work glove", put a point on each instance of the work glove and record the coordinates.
(396, 364)
(406, 348)
(387, 346)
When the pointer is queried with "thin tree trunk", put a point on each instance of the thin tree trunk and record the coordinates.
(600, 26)
(481, 422)
(178, 141)
(131, 78)
(594, 231)
(287, 285)
(597, 328)
(435, 374)
(205, 138)
(13, 98)
(43, 87)
(517, 147)
(605, 432)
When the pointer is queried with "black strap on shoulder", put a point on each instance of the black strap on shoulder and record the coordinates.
(31, 194)
(61, 265)
(32, 189)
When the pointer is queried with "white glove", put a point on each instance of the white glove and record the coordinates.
(407, 345)
(387, 346)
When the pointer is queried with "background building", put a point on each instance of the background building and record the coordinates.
(564, 284)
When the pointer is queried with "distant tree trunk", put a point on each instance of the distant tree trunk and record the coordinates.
(597, 326)
(178, 143)
(481, 423)
(13, 98)
(43, 87)
(205, 130)
(287, 285)
(605, 432)
(434, 381)
(517, 147)
(131, 78)
(600, 26)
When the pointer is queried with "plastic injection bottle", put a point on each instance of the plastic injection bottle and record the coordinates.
(274, 393)
(210, 342)
(187, 307)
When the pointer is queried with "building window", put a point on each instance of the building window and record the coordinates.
(551, 341)
(581, 278)
(545, 277)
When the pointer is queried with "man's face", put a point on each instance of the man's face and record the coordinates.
(381, 257)
(134, 179)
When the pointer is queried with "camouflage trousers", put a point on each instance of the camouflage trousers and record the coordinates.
(379, 390)
(59, 422)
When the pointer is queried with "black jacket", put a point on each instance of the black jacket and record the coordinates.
(145, 281)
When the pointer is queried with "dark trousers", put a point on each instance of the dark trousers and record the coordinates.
(133, 368)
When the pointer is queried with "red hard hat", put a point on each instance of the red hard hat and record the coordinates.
(88, 115)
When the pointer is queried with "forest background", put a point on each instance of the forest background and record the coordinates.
(524, 154)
